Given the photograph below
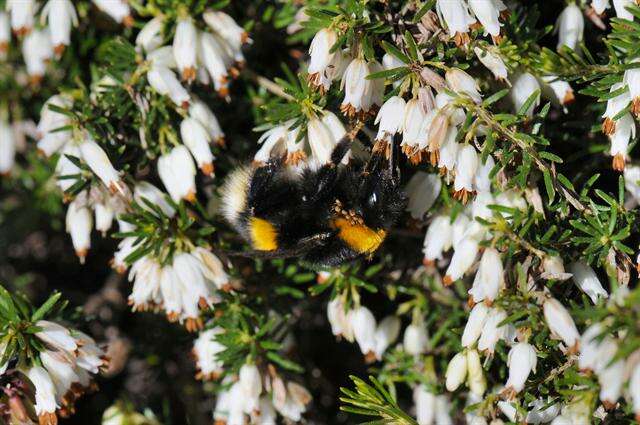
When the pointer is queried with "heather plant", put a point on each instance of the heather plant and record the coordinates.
(151, 156)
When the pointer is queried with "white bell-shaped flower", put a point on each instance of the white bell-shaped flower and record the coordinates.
(488, 13)
(456, 372)
(493, 62)
(422, 191)
(524, 86)
(570, 27)
(475, 375)
(489, 277)
(22, 12)
(438, 239)
(177, 172)
(522, 361)
(364, 326)
(475, 323)
(561, 323)
(196, 138)
(79, 222)
(416, 339)
(463, 84)
(587, 281)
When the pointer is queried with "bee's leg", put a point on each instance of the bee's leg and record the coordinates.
(394, 167)
(340, 150)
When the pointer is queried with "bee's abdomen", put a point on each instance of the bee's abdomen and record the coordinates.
(262, 234)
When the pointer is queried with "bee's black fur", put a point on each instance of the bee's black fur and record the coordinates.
(301, 207)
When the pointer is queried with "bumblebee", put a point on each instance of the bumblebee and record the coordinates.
(326, 215)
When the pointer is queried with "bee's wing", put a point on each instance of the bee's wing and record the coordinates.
(302, 247)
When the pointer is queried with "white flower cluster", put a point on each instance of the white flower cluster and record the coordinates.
(67, 364)
(464, 235)
(206, 55)
(323, 134)
(598, 354)
(202, 55)
(256, 394)
(360, 325)
(458, 16)
(49, 40)
(181, 288)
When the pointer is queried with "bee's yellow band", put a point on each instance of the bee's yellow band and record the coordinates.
(264, 236)
(358, 237)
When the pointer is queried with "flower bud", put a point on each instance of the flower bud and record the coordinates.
(561, 323)
(177, 172)
(456, 371)
(416, 339)
(443, 409)
(521, 361)
(489, 277)
(621, 6)
(321, 140)
(587, 281)
(79, 223)
(448, 152)
(475, 379)
(196, 138)
(474, 325)
(553, 268)
(5, 34)
(611, 380)
(599, 6)
(570, 27)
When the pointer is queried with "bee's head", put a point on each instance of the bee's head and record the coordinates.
(381, 200)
